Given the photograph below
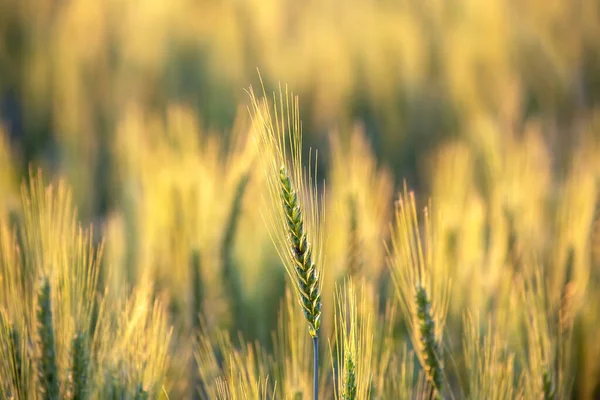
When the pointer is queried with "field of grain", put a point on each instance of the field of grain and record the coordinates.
(244, 199)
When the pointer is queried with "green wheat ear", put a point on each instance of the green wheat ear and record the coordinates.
(428, 343)
(305, 270)
(80, 364)
(349, 378)
(48, 371)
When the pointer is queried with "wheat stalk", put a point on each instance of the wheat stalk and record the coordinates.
(231, 276)
(292, 213)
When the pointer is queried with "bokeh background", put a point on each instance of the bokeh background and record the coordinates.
(488, 107)
(416, 73)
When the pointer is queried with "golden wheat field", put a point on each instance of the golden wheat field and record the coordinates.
(268, 199)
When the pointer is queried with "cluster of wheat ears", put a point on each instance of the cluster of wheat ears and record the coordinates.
(474, 309)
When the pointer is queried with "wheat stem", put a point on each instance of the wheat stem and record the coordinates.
(197, 296)
(316, 368)
(230, 275)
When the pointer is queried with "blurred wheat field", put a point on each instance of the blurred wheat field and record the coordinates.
(165, 235)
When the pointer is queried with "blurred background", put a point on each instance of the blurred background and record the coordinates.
(417, 74)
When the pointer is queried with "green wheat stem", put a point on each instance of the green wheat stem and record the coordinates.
(197, 298)
(230, 275)
(48, 370)
(316, 368)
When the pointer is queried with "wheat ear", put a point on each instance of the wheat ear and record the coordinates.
(293, 212)
(349, 377)
(427, 341)
(305, 270)
(422, 287)
(80, 365)
(48, 370)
